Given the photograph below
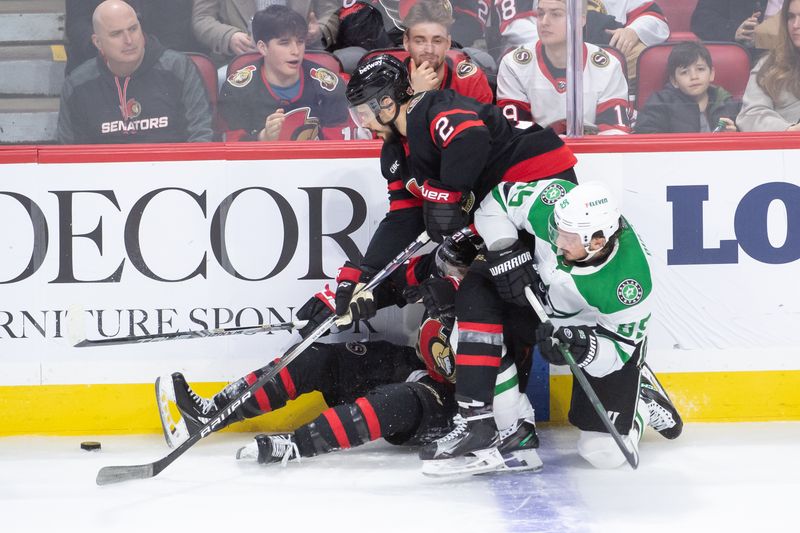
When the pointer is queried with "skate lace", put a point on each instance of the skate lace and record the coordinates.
(205, 405)
(660, 417)
(284, 447)
(461, 427)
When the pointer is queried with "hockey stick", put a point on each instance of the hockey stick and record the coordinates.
(198, 334)
(116, 474)
(631, 455)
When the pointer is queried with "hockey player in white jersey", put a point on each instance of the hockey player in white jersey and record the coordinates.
(597, 286)
(532, 79)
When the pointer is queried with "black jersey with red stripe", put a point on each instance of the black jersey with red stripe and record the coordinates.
(471, 147)
(467, 146)
(247, 99)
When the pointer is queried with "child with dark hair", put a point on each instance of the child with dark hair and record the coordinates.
(688, 103)
(283, 95)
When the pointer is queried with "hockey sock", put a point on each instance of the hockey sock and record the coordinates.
(510, 404)
(480, 348)
(273, 395)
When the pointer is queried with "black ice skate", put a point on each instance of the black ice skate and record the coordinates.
(193, 411)
(271, 449)
(518, 447)
(664, 418)
(471, 448)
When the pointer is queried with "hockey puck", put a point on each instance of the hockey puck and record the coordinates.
(90, 446)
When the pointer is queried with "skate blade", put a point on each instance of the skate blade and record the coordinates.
(175, 430)
(478, 462)
(249, 452)
(519, 461)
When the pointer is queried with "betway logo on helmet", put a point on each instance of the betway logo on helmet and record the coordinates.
(368, 67)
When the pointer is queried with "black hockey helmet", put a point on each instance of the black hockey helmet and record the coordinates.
(374, 79)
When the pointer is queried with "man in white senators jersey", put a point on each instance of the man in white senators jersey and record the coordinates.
(532, 79)
(596, 283)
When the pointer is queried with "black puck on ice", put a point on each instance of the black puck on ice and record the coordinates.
(90, 446)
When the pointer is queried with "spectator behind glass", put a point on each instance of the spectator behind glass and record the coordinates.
(727, 20)
(283, 96)
(688, 103)
(642, 24)
(135, 91)
(223, 26)
(771, 101)
(427, 40)
(532, 81)
(168, 20)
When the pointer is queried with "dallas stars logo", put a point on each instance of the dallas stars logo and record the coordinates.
(630, 292)
(552, 193)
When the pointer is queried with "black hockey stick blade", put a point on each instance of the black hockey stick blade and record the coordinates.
(116, 474)
(631, 454)
(198, 334)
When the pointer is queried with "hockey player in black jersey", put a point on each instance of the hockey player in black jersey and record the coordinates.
(442, 153)
(374, 389)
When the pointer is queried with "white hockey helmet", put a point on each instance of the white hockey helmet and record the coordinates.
(585, 210)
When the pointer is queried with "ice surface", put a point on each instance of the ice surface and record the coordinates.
(715, 477)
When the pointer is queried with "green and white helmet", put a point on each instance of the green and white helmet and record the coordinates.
(585, 210)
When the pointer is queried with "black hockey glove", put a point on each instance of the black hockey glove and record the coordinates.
(444, 210)
(581, 341)
(352, 307)
(439, 297)
(512, 270)
(458, 251)
(316, 310)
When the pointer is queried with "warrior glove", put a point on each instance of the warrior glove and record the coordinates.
(316, 310)
(512, 270)
(581, 341)
(352, 303)
(444, 210)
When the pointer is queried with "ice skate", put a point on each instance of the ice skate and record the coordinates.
(664, 417)
(181, 410)
(268, 449)
(518, 448)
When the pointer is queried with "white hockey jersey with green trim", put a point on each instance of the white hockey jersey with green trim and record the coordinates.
(614, 296)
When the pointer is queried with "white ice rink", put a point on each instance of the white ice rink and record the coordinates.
(715, 477)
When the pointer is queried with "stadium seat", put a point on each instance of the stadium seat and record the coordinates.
(208, 73)
(731, 66)
(679, 18)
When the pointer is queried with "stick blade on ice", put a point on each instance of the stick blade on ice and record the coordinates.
(117, 474)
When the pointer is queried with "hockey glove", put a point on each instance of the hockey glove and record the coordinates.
(439, 297)
(444, 210)
(512, 270)
(316, 310)
(458, 251)
(581, 341)
(352, 305)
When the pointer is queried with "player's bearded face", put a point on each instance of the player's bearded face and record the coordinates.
(366, 115)
(427, 41)
(569, 244)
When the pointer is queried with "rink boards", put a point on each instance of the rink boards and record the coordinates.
(104, 243)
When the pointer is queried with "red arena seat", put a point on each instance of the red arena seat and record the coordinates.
(208, 73)
(731, 67)
(679, 18)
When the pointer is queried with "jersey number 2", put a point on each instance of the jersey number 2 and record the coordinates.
(443, 128)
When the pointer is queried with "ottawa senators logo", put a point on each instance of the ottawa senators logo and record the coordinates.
(466, 69)
(600, 59)
(132, 109)
(327, 79)
(243, 76)
(434, 349)
(299, 125)
(522, 55)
